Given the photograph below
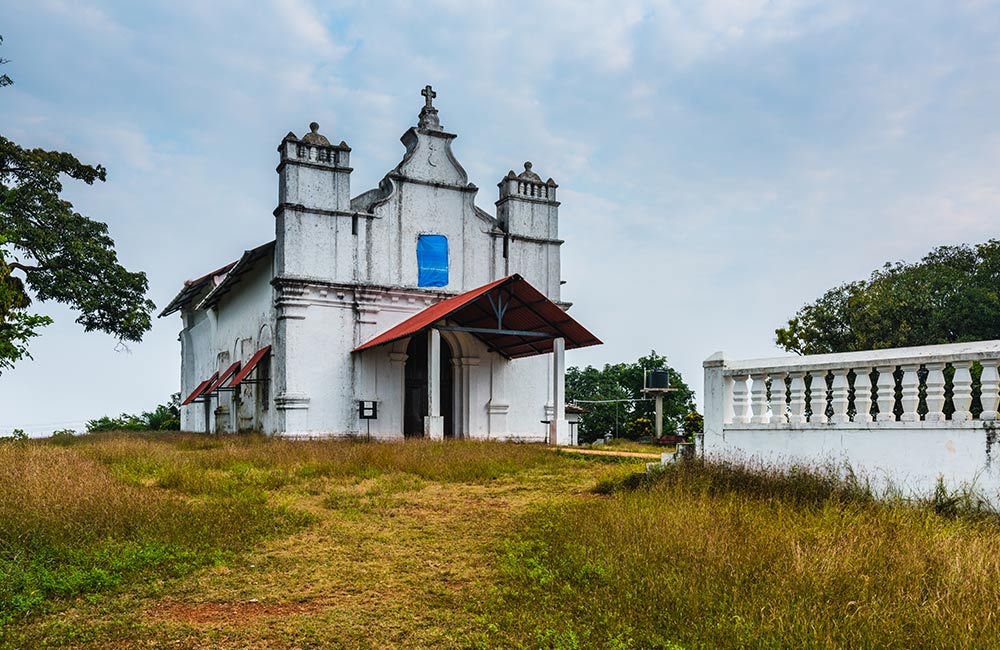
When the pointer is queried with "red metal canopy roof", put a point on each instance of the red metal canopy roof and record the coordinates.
(197, 392)
(527, 311)
(226, 374)
(247, 369)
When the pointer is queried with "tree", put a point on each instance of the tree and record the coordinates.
(60, 254)
(952, 295)
(624, 381)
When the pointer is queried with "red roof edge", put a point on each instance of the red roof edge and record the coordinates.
(251, 364)
(431, 314)
(197, 392)
(226, 374)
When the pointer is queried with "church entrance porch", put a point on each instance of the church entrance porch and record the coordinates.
(417, 395)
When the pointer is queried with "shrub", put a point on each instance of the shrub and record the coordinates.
(694, 423)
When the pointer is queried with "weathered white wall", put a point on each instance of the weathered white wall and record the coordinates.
(907, 458)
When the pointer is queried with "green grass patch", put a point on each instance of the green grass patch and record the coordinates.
(71, 527)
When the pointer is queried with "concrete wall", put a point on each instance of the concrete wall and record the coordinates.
(906, 458)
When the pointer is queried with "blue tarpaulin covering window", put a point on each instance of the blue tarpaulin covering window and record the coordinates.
(432, 261)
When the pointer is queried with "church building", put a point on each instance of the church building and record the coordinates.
(406, 310)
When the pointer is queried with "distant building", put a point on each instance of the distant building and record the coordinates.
(405, 310)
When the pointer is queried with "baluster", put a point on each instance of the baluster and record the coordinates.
(862, 395)
(886, 394)
(841, 392)
(935, 392)
(797, 403)
(727, 399)
(961, 391)
(988, 387)
(740, 399)
(911, 393)
(778, 398)
(758, 398)
(817, 396)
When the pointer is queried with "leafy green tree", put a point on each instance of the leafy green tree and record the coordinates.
(165, 417)
(951, 295)
(60, 254)
(624, 381)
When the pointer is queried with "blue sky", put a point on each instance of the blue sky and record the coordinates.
(720, 162)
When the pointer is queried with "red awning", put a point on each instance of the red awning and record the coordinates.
(247, 369)
(527, 324)
(197, 392)
(226, 374)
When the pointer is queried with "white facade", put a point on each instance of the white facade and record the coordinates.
(903, 417)
(342, 270)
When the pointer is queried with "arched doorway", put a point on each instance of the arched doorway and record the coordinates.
(415, 387)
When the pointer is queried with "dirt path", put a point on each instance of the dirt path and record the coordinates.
(600, 452)
(392, 562)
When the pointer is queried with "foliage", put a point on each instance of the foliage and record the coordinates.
(639, 428)
(165, 417)
(63, 255)
(694, 423)
(952, 295)
(624, 381)
(4, 79)
(17, 435)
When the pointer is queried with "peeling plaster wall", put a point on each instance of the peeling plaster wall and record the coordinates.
(217, 339)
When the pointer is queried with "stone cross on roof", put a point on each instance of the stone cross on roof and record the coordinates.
(428, 114)
(429, 96)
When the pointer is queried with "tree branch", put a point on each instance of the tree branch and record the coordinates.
(24, 267)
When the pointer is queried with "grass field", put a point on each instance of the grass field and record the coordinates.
(182, 541)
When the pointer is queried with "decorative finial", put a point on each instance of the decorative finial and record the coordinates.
(314, 137)
(428, 114)
(429, 96)
(529, 175)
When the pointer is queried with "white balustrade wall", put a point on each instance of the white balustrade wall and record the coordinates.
(902, 417)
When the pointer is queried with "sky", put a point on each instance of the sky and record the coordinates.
(720, 162)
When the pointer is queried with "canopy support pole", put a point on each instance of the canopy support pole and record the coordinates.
(558, 426)
(433, 422)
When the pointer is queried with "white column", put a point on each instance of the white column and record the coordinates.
(778, 389)
(935, 392)
(961, 391)
(911, 393)
(740, 399)
(395, 394)
(862, 395)
(758, 398)
(841, 396)
(797, 404)
(433, 422)
(886, 394)
(718, 400)
(659, 414)
(988, 395)
(558, 427)
(817, 396)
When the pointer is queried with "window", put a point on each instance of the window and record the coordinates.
(432, 261)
